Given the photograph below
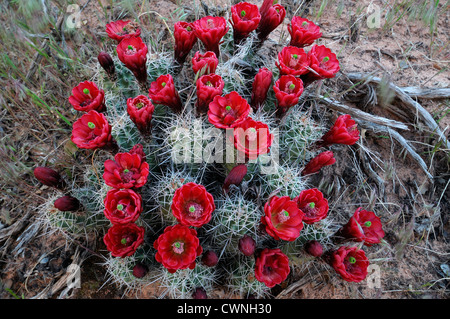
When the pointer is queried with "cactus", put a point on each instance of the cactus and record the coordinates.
(321, 231)
(282, 180)
(182, 283)
(237, 71)
(234, 217)
(186, 148)
(162, 190)
(71, 223)
(119, 271)
(186, 141)
(241, 281)
(299, 133)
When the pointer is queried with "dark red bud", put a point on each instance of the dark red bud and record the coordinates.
(140, 270)
(49, 177)
(199, 293)
(314, 248)
(67, 203)
(247, 245)
(210, 258)
(106, 62)
(235, 176)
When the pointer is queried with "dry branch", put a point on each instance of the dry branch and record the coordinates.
(408, 101)
(427, 93)
(370, 172)
(378, 124)
(400, 139)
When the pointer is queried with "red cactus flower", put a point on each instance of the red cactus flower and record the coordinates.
(272, 15)
(86, 97)
(208, 86)
(49, 177)
(321, 160)
(92, 131)
(247, 245)
(235, 176)
(344, 131)
(163, 91)
(271, 267)
(314, 248)
(350, 263)
(205, 63)
(288, 90)
(122, 206)
(363, 226)
(107, 63)
(133, 53)
(260, 87)
(282, 218)
(119, 30)
(293, 61)
(303, 32)
(177, 248)
(67, 203)
(192, 205)
(210, 30)
(209, 258)
(126, 171)
(228, 111)
(185, 39)
(123, 240)
(245, 18)
(140, 109)
(252, 138)
(312, 203)
(323, 64)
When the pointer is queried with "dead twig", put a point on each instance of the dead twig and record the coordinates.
(370, 172)
(63, 281)
(427, 93)
(44, 48)
(402, 141)
(407, 101)
(338, 106)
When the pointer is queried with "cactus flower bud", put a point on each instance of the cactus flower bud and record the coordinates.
(260, 87)
(67, 203)
(235, 176)
(140, 270)
(107, 63)
(210, 258)
(321, 160)
(49, 177)
(199, 293)
(247, 245)
(314, 248)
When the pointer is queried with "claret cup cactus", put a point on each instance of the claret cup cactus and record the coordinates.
(204, 161)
